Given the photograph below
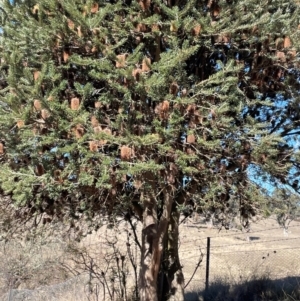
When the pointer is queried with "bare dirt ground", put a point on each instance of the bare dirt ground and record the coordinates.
(92, 269)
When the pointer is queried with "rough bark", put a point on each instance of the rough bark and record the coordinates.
(153, 234)
(174, 274)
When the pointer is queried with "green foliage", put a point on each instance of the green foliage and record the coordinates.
(104, 104)
(286, 206)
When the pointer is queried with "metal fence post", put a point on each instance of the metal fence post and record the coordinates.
(207, 264)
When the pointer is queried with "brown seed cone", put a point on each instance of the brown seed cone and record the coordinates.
(136, 73)
(174, 88)
(36, 74)
(146, 65)
(35, 9)
(196, 30)
(20, 123)
(126, 153)
(1, 148)
(107, 131)
(98, 105)
(191, 139)
(287, 42)
(144, 4)
(121, 60)
(66, 55)
(45, 114)
(281, 56)
(37, 104)
(79, 32)
(71, 24)
(97, 129)
(162, 109)
(95, 8)
(94, 121)
(75, 103)
(79, 131)
(39, 169)
(93, 146)
(57, 176)
(141, 27)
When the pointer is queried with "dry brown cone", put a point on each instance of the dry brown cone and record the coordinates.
(66, 55)
(226, 38)
(190, 139)
(121, 60)
(79, 32)
(162, 109)
(1, 148)
(190, 151)
(144, 4)
(146, 64)
(255, 29)
(39, 169)
(79, 131)
(98, 105)
(136, 73)
(37, 104)
(20, 123)
(126, 153)
(196, 30)
(75, 103)
(281, 56)
(94, 121)
(45, 114)
(183, 92)
(93, 146)
(174, 88)
(35, 9)
(107, 131)
(216, 11)
(287, 43)
(57, 176)
(97, 129)
(95, 8)
(198, 118)
(71, 24)
(36, 74)
(141, 27)
(191, 109)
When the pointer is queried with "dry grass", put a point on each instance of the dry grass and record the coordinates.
(237, 256)
(91, 266)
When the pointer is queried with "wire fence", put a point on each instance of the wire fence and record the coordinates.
(237, 257)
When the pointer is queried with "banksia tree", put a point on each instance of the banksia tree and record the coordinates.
(147, 107)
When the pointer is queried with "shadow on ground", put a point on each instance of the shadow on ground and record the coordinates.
(262, 289)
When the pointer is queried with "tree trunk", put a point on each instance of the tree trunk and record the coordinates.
(153, 234)
(174, 273)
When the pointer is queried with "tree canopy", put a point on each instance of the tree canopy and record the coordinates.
(147, 108)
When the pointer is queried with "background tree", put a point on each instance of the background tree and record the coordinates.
(285, 205)
(146, 108)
